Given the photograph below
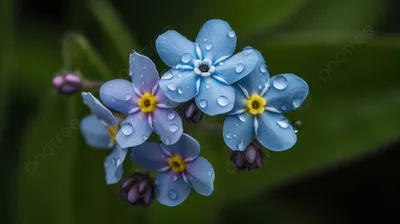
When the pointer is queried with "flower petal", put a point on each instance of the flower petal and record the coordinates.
(143, 71)
(135, 130)
(149, 156)
(201, 176)
(216, 39)
(95, 132)
(172, 190)
(168, 125)
(119, 95)
(162, 99)
(215, 97)
(240, 100)
(238, 131)
(255, 82)
(237, 66)
(113, 165)
(286, 93)
(179, 85)
(186, 146)
(99, 109)
(173, 48)
(275, 132)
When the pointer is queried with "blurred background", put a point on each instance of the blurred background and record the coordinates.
(344, 168)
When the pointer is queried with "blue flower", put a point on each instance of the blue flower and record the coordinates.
(179, 167)
(147, 107)
(259, 104)
(99, 130)
(205, 69)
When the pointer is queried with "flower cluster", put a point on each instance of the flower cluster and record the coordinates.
(205, 78)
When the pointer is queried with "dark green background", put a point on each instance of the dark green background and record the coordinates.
(342, 170)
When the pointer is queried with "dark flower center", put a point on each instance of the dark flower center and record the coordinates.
(203, 68)
(147, 103)
(255, 105)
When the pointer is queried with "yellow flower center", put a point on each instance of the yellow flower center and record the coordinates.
(177, 163)
(112, 132)
(147, 103)
(255, 104)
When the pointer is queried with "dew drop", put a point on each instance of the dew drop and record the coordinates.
(171, 86)
(145, 137)
(142, 82)
(111, 85)
(128, 96)
(166, 141)
(127, 129)
(180, 91)
(231, 34)
(173, 128)
(222, 101)
(209, 46)
(172, 194)
(283, 123)
(280, 82)
(203, 103)
(167, 76)
(186, 58)
(228, 135)
(113, 100)
(175, 178)
(242, 118)
(170, 115)
(260, 86)
(205, 39)
(237, 125)
(297, 125)
(248, 48)
(141, 76)
(210, 172)
(180, 75)
(208, 86)
(118, 161)
(239, 68)
(221, 63)
(284, 107)
(144, 67)
(234, 135)
(297, 102)
(263, 68)
(241, 145)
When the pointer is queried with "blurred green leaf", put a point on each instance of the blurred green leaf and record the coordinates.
(114, 28)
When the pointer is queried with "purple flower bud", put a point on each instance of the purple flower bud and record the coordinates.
(190, 112)
(238, 158)
(68, 83)
(252, 158)
(138, 189)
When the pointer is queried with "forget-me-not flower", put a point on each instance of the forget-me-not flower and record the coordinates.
(99, 131)
(259, 104)
(179, 167)
(147, 107)
(205, 69)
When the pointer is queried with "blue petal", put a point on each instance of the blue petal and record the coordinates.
(215, 97)
(149, 156)
(135, 130)
(216, 39)
(172, 190)
(99, 109)
(240, 100)
(237, 66)
(239, 131)
(168, 125)
(95, 132)
(186, 147)
(179, 85)
(275, 132)
(255, 82)
(119, 95)
(201, 176)
(113, 165)
(172, 46)
(163, 99)
(286, 93)
(143, 71)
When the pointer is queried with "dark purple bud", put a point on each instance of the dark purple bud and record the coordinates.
(68, 83)
(138, 189)
(190, 112)
(238, 158)
(252, 158)
(251, 154)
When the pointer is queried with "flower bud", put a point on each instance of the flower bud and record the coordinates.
(138, 189)
(68, 83)
(252, 158)
(190, 112)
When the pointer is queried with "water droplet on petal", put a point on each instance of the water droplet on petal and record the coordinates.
(205, 39)
(241, 145)
(180, 91)
(239, 68)
(210, 172)
(209, 46)
(280, 82)
(248, 48)
(242, 117)
(175, 178)
(144, 67)
(284, 107)
(187, 87)
(170, 115)
(237, 125)
(166, 140)
(167, 76)
(208, 86)
(180, 75)
(222, 101)
(171, 86)
(111, 85)
(172, 194)
(141, 76)
(263, 68)
(260, 86)
(231, 34)
(234, 135)
(203, 103)
(283, 123)
(173, 128)
(127, 129)
(297, 102)
(228, 135)
(128, 96)
(145, 137)
(186, 58)
(221, 63)
(118, 162)
(142, 82)
(297, 125)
